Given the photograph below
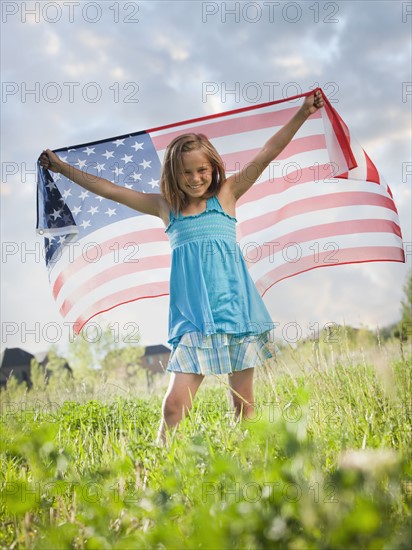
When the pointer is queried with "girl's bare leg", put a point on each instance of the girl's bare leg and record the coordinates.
(178, 400)
(242, 396)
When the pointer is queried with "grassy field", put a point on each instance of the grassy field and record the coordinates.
(325, 464)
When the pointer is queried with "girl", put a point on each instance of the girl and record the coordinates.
(218, 322)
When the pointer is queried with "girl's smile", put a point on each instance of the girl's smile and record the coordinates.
(196, 176)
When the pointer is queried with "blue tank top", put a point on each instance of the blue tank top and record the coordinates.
(211, 290)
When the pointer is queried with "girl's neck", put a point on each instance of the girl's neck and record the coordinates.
(195, 206)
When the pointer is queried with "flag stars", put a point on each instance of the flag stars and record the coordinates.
(108, 154)
(145, 164)
(66, 193)
(118, 171)
(127, 158)
(89, 151)
(100, 167)
(119, 142)
(93, 210)
(136, 176)
(50, 185)
(56, 214)
(128, 185)
(76, 210)
(111, 212)
(85, 224)
(80, 163)
(137, 146)
(154, 183)
(84, 195)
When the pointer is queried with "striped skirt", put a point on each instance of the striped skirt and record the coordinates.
(219, 353)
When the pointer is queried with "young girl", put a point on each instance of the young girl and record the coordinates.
(218, 322)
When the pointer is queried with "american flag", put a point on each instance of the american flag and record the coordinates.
(321, 202)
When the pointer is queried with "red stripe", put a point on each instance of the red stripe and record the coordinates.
(347, 256)
(110, 274)
(150, 290)
(254, 254)
(111, 246)
(313, 204)
(238, 159)
(275, 186)
(230, 126)
(227, 113)
(372, 173)
(341, 132)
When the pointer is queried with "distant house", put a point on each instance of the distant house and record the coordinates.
(17, 362)
(155, 358)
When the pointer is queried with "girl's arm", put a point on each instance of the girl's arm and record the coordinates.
(148, 203)
(239, 183)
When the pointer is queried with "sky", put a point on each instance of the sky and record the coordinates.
(76, 72)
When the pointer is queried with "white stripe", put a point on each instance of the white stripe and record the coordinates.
(312, 219)
(276, 258)
(361, 172)
(155, 276)
(92, 269)
(269, 109)
(76, 248)
(242, 141)
(259, 207)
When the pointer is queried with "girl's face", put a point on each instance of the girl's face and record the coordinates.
(196, 176)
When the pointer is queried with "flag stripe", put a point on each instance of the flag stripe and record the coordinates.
(314, 204)
(300, 145)
(120, 270)
(98, 250)
(280, 184)
(120, 298)
(138, 284)
(348, 256)
(314, 234)
(229, 127)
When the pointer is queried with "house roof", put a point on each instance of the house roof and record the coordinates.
(15, 357)
(156, 350)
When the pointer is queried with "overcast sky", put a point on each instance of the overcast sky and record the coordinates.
(120, 67)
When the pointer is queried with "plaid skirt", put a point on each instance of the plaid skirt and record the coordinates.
(218, 353)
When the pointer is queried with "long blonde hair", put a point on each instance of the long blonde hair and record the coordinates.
(173, 165)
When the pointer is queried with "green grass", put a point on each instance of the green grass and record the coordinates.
(325, 464)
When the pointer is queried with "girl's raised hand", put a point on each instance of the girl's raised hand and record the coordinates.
(312, 103)
(50, 161)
